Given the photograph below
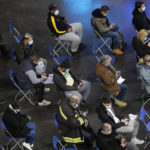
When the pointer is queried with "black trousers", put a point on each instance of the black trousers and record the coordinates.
(39, 91)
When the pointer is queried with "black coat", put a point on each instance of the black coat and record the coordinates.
(60, 81)
(16, 123)
(57, 24)
(140, 48)
(140, 20)
(105, 118)
(23, 51)
(69, 124)
(107, 142)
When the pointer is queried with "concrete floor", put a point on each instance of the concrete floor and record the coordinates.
(31, 16)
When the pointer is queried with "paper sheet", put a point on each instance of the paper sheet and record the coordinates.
(120, 80)
(49, 80)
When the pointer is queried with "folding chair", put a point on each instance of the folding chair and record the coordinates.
(15, 33)
(97, 148)
(55, 120)
(60, 44)
(143, 113)
(102, 43)
(25, 93)
(13, 54)
(1, 147)
(57, 142)
(58, 60)
(17, 141)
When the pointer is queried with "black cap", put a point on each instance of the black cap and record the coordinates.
(52, 7)
(65, 64)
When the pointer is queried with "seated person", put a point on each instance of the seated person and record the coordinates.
(109, 79)
(73, 125)
(26, 78)
(118, 121)
(60, 27)
(141, 43)
(25, 48)
(19, 124)
(140, 20)
(105, 28)
(106, 140)
(66, 80)
(144, 73)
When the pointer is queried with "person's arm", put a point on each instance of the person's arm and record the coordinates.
(63, 85)
(19, 54)
(56, 28)
(145, 74)
(32, 76)
(100, 27)
(75, 77)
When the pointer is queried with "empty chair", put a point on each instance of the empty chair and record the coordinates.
(15, 33)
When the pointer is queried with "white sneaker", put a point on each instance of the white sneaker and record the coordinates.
(27, 146)
(44, 103)
(137, 141)
(132, 116)
(47, 90)
(31, 145)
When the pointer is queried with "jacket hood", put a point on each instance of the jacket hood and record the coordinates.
(100, 107)
(96, 13)
(135, 12)
(140, 66)
(55, 69)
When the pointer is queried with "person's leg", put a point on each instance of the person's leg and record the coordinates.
(72, 37)
(39, 91)
(77, 29)
(70, 93)
(136, 129)
(31, 135)
(115, 38)
(131, 146)
(122, 92)
(85, 89)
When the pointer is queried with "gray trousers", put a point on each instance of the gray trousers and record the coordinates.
(131, 146)
(74, 37)
(83, 93)
(132, 127)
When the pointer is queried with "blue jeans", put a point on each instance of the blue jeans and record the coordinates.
(122, 92)
(31, 135)
(115, 38)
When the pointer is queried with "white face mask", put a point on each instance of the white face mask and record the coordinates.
(109, 132)
(108, 107)
(30, 42)
(105, 15)
(143, 8)
(76, 106)
(56, 13)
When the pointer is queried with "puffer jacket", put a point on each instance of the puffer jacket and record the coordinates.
(100, 22)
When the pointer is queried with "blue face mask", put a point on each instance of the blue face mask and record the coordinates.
(66, 73)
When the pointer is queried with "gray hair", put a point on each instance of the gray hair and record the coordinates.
(72, 99)
(105, 58)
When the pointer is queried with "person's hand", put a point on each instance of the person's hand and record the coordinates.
(123, 141)
(44, 78)
(86, 122)
(43, 73)
(111, 26)
(148, 44)
(29, 117)
(81, 84)
(126, 123)
(78, 87)
(122, 120)
(84, 114)
(123, 144)
(70, 30)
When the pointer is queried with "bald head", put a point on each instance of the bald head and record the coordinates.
(106, 128)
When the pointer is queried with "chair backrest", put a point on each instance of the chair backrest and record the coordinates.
(3, 125)
(62, 58)
(148, 126)
(142, 115)
(55, 142)
(97, 148)
(51, 50)
(12, 76)
(55, 120)
(13, 54)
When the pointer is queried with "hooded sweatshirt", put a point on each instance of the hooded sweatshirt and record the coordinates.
(140, 20)
(100, 22)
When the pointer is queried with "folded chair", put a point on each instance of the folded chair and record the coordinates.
(103, 44)
(25, 93)
(17, 141)
(57, 142)
(58, 60)
(13, 54)
(15, 33)
(144, 114)
(60, 45)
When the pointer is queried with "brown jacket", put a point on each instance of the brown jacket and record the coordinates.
(109, 79)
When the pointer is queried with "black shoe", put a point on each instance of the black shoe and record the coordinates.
(83, 102)
(81, 46)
